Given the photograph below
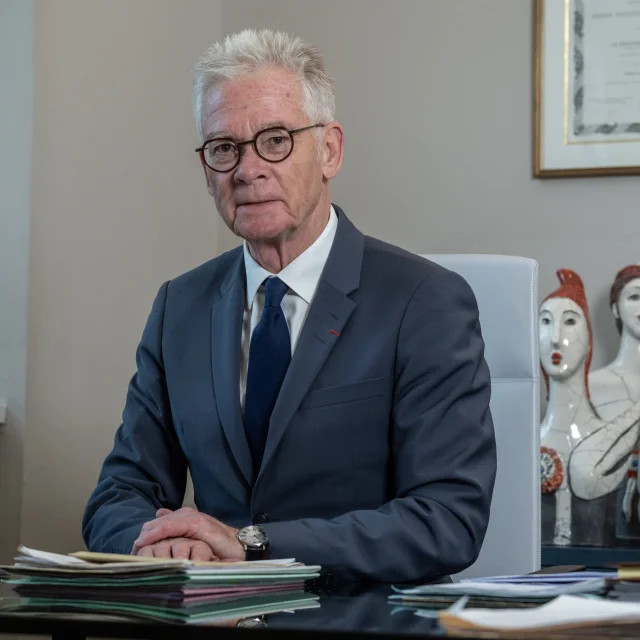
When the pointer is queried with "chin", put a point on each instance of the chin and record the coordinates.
(634, 330)
(259, 228)
(551, 370)
(557, 371)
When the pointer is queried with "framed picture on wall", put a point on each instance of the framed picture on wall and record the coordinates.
(587, 88)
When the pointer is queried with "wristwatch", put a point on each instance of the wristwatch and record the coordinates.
(255, 542)
(254, 622)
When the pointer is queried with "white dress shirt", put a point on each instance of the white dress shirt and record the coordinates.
(301, 276)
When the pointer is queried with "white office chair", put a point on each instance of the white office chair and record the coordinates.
(507, 292)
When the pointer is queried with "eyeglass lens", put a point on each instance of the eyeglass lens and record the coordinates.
(272, 145)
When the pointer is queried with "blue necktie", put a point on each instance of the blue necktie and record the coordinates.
(269, 357)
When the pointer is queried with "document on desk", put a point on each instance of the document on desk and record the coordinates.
(116, 563)
(501, 591)
(179, 590)
(43, 567)
(563, 612)
(106, 564)
(209, 612)
(548, 578)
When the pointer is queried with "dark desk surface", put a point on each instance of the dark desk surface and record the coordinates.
(348, 611)
(349, 608)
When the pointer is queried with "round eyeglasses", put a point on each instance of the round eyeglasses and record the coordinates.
(274, 144)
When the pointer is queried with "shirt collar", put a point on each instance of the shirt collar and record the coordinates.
(303, 274)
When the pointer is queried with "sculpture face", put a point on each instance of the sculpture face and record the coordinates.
(628, 308)
(564, 338)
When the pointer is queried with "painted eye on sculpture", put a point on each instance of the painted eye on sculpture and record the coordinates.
(634, 297)
(569, 322)
(545, 321)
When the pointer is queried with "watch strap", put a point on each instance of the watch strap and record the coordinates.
(255, 554)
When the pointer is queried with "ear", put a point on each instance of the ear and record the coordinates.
(614, 310)
(332, 150)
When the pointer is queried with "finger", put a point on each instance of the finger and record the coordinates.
(161, 513)
(153, 531)
(162, 549)
(146, 552)
(181, 548)
(202, 552)
(171, 526)
(147, 526)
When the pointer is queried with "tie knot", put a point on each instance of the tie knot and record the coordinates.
(274, 292)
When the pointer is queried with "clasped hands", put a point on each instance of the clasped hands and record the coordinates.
(189, 535)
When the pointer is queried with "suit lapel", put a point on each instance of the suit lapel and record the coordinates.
(328, 314)
(226, 333)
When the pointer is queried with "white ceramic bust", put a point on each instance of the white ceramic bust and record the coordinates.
(564, 348)
(616, 387)
(581, 454)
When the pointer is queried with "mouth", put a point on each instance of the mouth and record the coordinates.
(249, 204)
(556, 358)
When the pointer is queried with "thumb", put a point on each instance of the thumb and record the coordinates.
(163, 512)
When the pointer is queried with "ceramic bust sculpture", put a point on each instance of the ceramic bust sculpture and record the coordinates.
(616, 387)
(583, 458)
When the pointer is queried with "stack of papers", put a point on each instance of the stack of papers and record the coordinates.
(495, 594)
(172, 590)
(549, 578)
(565, 612)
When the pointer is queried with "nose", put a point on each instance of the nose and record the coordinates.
(251, 166)
(555, 334)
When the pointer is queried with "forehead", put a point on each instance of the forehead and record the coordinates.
(252, 101)
(631, 286)
(557, 306)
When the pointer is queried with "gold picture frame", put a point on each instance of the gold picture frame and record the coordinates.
(570, 40)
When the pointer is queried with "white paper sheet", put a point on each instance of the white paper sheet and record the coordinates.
(561, 611)
(500, 590)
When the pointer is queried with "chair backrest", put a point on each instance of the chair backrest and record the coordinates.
(506, 289)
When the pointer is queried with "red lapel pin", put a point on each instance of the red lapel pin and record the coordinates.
(335, 333)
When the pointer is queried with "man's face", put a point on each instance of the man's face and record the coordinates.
(261, 200)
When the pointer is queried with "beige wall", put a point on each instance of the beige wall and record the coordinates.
(119, 206)
(435, 97)
(436, 100)
(16, 124)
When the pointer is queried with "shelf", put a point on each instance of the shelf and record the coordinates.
(591, 557)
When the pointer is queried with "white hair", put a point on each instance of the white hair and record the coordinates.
(252, 51)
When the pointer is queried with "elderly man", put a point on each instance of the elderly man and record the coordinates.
(327, 391)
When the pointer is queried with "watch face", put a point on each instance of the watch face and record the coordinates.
(252, 623)
(254, 537)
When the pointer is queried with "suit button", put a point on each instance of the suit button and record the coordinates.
(260, 518)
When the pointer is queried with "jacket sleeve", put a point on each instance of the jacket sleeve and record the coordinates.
(146, 469)
(444, 455)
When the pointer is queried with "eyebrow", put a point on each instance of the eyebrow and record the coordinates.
(226, 135)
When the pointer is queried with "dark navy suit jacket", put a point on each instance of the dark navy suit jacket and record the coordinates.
(380, 459)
